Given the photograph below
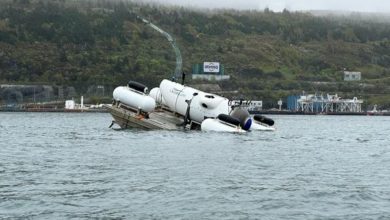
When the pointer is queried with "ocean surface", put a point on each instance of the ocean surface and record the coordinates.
(72, 166)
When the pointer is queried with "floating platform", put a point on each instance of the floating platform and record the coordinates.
(127, 117)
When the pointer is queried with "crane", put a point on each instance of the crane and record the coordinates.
(179, 60)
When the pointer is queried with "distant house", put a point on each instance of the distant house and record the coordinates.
(352, 76)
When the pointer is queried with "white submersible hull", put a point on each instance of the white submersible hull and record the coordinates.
(174, 106)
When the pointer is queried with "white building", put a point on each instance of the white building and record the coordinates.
(211, 77)
(352, 76)
(250, 105)
(70, 104)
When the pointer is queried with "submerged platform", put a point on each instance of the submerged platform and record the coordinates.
(127, 117)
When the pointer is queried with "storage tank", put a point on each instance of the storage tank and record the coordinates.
(134, 99)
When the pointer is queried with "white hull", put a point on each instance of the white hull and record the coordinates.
(190, 107)
(203, 105)
(256, 126)
(212, 124)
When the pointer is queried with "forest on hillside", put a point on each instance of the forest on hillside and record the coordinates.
(268, 55)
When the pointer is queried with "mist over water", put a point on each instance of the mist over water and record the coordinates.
(381, 6)
(56, 166)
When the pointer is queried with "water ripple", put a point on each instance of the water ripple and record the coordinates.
(61, 166)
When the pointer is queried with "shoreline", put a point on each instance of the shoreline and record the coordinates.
(265, 112)
(320, 113)
(56, 110)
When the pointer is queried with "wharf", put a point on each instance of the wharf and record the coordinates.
(53, 110)
(274, 112)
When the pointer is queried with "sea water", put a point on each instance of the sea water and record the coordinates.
(72, 166)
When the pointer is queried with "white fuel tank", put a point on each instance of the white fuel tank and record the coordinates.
(134, 99)
(203, 105)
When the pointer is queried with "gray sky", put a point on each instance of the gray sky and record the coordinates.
(293, 5)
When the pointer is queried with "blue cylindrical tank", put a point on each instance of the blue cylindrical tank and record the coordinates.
(292, 102)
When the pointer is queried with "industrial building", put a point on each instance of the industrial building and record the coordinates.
(250, 105)
(314, 103)
(19, 94)
(352, 76)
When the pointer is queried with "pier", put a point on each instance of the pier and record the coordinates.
(329, 104)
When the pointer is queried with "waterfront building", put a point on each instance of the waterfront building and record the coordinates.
(314, 103)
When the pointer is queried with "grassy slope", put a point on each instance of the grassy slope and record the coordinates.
(268, 55)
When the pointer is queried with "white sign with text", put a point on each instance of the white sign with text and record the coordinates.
(211, 67)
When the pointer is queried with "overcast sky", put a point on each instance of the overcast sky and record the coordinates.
(293, 5)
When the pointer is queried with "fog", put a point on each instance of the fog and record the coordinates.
(382, 6)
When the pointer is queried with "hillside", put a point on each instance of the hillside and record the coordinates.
(269, 55)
